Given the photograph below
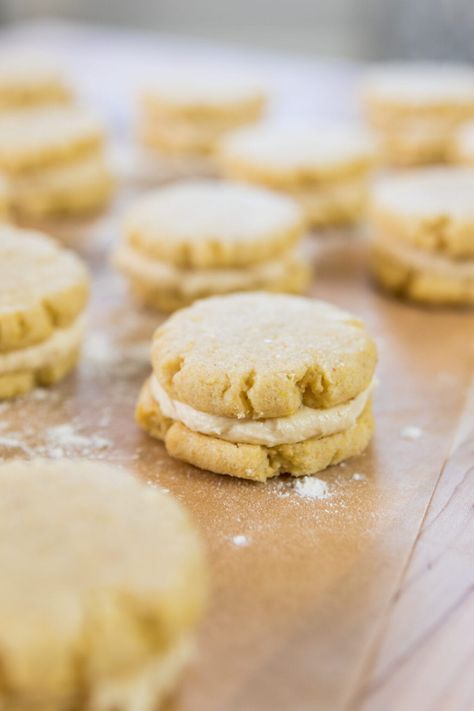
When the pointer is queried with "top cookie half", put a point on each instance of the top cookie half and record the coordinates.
(30, 79)
(262, 355)
(42, 287)
(207, 223)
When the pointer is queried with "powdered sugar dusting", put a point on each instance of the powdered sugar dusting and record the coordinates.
(240, 540)
(411, 432)
(310, 487)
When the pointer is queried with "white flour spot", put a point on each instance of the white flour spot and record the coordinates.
(310, 487)
(411, 432)
(240, 540)
(357, 476)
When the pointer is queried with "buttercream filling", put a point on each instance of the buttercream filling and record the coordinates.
(190, 281)
(61, 342)
(426, 261)
(307, 422)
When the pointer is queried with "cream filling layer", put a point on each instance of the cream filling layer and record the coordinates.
(191, 281)
(61, 342)
(426, 261)
(307, 422)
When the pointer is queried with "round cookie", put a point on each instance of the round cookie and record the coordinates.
(43, 292)
(100, 598)
(431, 209)
(30, 79)
(254, 385)
(200, 238)
(325, 168)
(416, 107)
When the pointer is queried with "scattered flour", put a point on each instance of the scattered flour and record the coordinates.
(64, 440)
(357, 476)
(411, 432)
(240, 540)
(310, 487)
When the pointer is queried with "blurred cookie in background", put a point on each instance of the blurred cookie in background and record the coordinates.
(416, 108)
(54, 159)
(5, 212)
(183, 115)
(462, 147)
(422, 226)
(325, 168)
(199, 238)
(30, 79)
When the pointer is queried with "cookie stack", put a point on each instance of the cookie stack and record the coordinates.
(54, 160)
(203, 237)
(187, 114)
(325, 168)
(43, 293)
(28, 80)
(423, 235)
(416, 108)
(103, 581)
(256, 385)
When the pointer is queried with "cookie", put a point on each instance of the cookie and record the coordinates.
(4, 199)
(30, 79)
(422, 228)
(416, 108)
(325, 168)
(254, 385)
(54, 160)
(43, 293)
(99, 601)
(198, 238)
(186, 113)
(462, 148)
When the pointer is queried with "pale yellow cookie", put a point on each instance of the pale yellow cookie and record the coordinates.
(416, 108)
(423, 234)
(186, 113)
(325, 168)
(54, 160)
(31, 79)
(43, 293)
(256, 384)
(198, 238)
(103, 580)
(4, 199)
(462, 148)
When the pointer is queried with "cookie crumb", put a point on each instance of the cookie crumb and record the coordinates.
(240, 540)
(411, 432)
(310, 487)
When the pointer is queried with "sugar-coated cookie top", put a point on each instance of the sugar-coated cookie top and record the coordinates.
(42, 286)
(92, 562)
(211, 223)
(297, 149)
(421, 83)
(428, 193)
(262, 355)
(34, 137)
(208, 90)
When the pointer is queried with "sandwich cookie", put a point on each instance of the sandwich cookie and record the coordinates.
(31, 79)
(463, 145)
(198, 238)
(416, 109)
(43, 294)
(186, 114)
(325, 168)
(54, 160)
(256, 385)
(4, 199)
(423, 234)
(103, 580)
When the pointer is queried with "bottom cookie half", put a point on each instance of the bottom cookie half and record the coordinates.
(253, 461)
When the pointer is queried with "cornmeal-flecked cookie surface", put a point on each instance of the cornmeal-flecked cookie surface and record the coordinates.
(30, 79)
(43, 293)
(99, 601)
(430, 208)
(262, 355)
(205, 223)
(256, 385)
